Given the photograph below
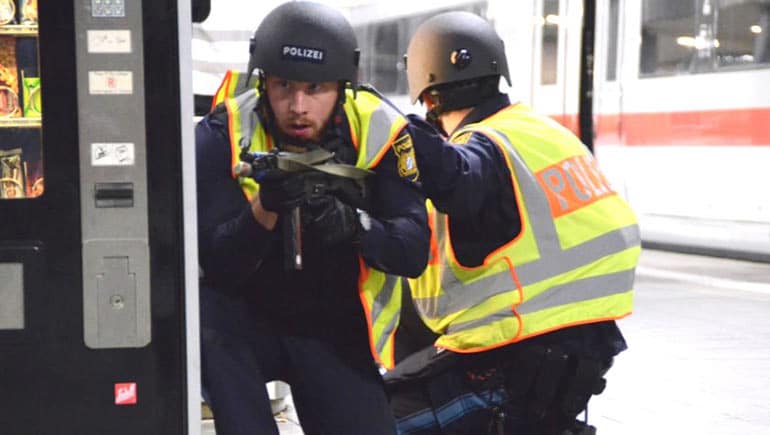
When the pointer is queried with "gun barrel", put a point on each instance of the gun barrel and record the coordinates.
(292, 240)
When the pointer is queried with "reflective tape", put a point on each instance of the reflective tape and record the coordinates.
(553, 259)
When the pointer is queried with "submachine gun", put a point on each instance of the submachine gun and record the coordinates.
(321, 176)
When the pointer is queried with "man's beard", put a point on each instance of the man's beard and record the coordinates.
(282, 139)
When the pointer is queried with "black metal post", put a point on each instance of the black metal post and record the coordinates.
(585, 111)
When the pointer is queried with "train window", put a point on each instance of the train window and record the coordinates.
(663, 22)
(388, 55)
(703, 36)
(743, 34)
(612, 40)
(550, 42)
(383, 44)
(21, 170)
(381, 54)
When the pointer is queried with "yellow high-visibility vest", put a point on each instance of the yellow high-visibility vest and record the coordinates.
(233, 84)
(374, 126)
(572, 263)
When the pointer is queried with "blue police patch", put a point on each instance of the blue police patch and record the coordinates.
(407, 163)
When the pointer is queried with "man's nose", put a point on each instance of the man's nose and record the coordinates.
(297, 101)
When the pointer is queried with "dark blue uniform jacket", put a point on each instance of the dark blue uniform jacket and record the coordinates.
(243, 260)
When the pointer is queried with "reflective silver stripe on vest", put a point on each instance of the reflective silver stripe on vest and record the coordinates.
(382, 299)
(571, 292)
(241, 84)
(379, 130)
(553, 260)
(379, 304)
(386, 333)
(246, 103)
(579, 255)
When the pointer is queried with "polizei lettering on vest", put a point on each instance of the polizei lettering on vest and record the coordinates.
(303, 54)
(573, 183)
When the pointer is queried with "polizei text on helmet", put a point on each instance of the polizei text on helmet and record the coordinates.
(303, 54)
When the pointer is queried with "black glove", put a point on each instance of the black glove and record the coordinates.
(428, 142)
(350, 191)
(332, 220)
(282, 193)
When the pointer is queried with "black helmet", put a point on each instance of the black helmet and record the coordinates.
(305, 41)
(453, 47)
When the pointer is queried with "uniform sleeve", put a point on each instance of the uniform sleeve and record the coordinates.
(399, 238)
(230, 241)
(458, 178)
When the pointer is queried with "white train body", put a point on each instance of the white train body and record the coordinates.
(681, 115)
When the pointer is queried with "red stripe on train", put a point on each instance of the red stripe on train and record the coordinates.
(716, 127)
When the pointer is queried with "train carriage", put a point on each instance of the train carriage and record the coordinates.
(679, 109)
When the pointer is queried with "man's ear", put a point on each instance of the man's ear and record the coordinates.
(427, 100)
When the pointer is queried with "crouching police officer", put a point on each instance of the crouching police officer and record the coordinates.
(535, 253)
(325, 328)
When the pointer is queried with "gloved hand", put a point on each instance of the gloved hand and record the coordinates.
(332, 220)
(284, 192)
(351, 192)
(428, 142)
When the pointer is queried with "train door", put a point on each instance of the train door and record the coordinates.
(608, 100)
(617, 46)
(98, 291)
(556, 60)
(612, 53)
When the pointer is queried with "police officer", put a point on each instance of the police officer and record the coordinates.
(327, 327)
(534, 259)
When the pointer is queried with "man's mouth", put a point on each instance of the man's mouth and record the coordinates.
(300, 130)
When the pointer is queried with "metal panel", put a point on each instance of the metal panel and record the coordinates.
(11, 296)
(113, 173)
(116, 302)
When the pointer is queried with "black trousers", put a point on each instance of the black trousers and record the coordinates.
(336, 390)
(455, 400)
(522, 389)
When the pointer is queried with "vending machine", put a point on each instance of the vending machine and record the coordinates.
(98, 269)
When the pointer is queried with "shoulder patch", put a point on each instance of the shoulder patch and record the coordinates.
(407, 163)
(463, 138)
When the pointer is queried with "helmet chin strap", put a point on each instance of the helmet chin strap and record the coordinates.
(458, 95)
